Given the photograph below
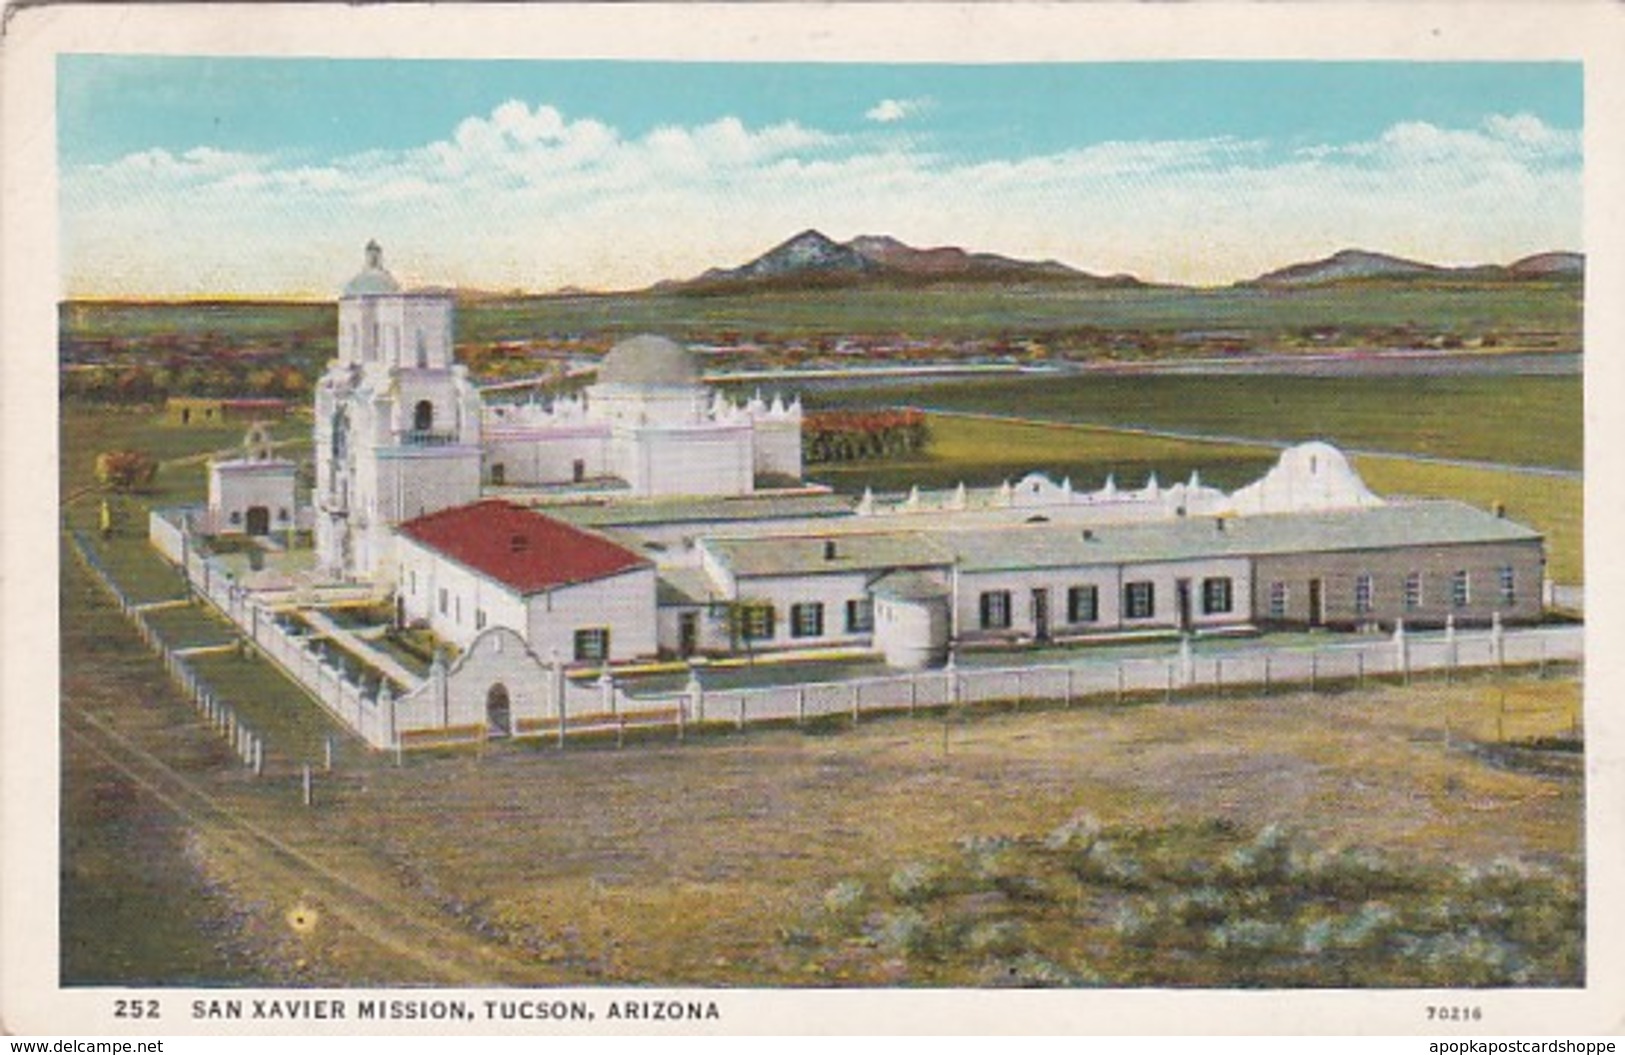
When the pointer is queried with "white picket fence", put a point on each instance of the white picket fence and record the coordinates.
(569, 709)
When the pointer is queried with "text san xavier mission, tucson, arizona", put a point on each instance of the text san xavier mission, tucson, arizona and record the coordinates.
(332, 1009)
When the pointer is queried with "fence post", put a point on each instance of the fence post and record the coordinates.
(1068, 699)
(259, 756)
(327, 753)
(741, 712)
(682, 713)
(1218, 677)
(1266, 674)
(1359, 668)
(857, 700)
(1119, 681)
(1314, 670)
(801, 704)
(1168, 692)
(913, 692)
(305, 782)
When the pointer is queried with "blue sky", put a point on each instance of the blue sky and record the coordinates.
(261, 176)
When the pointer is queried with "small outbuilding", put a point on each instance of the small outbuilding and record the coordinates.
(252, 494)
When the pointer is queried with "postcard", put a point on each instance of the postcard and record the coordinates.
(812, 518)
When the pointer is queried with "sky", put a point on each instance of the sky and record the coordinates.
(194, 176)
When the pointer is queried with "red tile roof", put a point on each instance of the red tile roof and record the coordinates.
(524, 551)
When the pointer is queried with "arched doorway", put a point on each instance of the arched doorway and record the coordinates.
(259, 520)
(423, 416)
(498, 711)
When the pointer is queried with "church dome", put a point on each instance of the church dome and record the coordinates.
(649, 360)
(372, 280)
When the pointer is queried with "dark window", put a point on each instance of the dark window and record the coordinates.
(807, 620)
(1139, 600)
(1277, 600)
(1460, 589)
(756, 622)
(282, 514)
(1216, 596)
(1363, 590)
(1509, 585)
(443, 600)
(592, 644)
(1413, 591)
(996, 610)
(236, 516)
(1083, 604)
(499, 474)
(479, 619)
(423, 416)
(860, 616)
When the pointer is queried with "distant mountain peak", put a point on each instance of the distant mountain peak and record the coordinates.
(812, 257)
(1355, 264)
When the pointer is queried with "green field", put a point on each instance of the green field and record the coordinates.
(949, 311)
(1515, 420)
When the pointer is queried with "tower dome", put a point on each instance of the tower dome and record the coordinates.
(372, 280)
(649, 360)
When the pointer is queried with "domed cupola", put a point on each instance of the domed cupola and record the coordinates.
(649, 361)
(372, 280)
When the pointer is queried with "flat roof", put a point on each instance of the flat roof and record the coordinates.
(777, 555)
(624, 513)
(1393, 526)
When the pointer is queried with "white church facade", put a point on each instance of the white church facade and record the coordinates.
(402, 432)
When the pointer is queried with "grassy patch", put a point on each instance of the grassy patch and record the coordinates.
(293, 724)
(1518, 420)
(980, 452)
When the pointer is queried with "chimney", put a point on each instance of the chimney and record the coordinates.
(829, 549)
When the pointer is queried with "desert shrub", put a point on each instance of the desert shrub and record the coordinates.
(845, 900)
(1076, 833)
(908, 932)
(1002, 938)
(915, 883)
(1032, 971)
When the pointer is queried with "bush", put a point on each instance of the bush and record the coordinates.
(845, 899)
(126, 470)
(914, 883)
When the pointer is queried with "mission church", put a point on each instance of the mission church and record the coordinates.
(652, 516)
(403, 432)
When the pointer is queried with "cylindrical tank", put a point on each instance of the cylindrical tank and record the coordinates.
(912, 633)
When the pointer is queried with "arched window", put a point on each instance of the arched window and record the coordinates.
(341, 435)
(423, 416)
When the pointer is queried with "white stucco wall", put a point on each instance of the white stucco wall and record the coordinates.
(624, 604)
(237, 486)
(1108, 581)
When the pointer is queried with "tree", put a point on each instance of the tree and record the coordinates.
(127, 470)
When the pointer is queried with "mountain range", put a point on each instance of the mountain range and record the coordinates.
(813, 260)
(1360, 264)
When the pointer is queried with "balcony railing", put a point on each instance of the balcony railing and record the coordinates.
(428, 438)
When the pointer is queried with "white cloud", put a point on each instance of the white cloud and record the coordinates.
(888, 111)
(528, 196)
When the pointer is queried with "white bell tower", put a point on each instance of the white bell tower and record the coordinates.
(397, 422)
